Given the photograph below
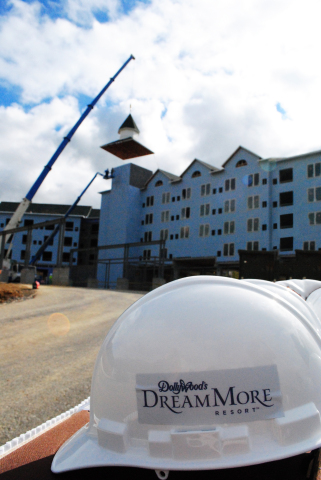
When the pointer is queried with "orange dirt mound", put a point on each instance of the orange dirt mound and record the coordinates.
(11, 291)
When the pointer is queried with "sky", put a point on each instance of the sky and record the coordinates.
(208, 76)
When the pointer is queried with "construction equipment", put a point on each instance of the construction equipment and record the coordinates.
(17, 216)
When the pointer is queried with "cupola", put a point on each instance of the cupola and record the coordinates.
(127, 147)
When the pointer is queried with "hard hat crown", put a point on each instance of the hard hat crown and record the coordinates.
(205, 372)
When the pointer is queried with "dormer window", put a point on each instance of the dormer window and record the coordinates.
(241, 163)
(195, 174)
(159, 183)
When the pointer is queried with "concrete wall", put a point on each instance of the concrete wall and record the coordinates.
(60, 276)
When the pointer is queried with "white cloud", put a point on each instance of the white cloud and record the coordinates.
(207, 78)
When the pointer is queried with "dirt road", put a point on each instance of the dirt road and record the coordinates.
(48, 347)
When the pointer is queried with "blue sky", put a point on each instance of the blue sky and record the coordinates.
(208, 77)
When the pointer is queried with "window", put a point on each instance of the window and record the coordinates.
(205, 210)
(253, 202)
(66, 256)
(220, 211)
(166, 197)
(69, 226)
(176, 236)
(241, 163)
(47, 256)
(213, 233)
(172, 218)
(253, 180)
(218, 253)
(229, 227)
(286, 198)
(229, 206)
(22, 255)
(164, 234)
(230, 184)
(24, 239)
(148, 218)
(93, 242)
(315, 218)
(185, 213)
(286, 175)
(314, 170)
(178, 198)
(95, 228)
(220, 190)
(286, 221)
(46, 238)
(253, 224)
(173, 199)
(159, 183)
(163, 253)
(264, 204)
(214, 211)
(228, 249)
(205, 189)
(275, 226)
(264, 226)
(184, 232)
(186, 193)
(275, 204)
(150, 201)
(195, 174)
(148, 236)
(177, 217)
(314, 194)
(252, 246)
(219, 232)
(214, 191)
(146, 254)
(275, 181)
(165, 216)
(264, 181)
(286, 244)
(50, 227)
(309, 246)
(67, 241)
(28, 222)
(204, 230)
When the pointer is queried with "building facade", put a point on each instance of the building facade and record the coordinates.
(207, 214)
(81, 228)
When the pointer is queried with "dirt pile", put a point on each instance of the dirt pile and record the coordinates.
(12, 291)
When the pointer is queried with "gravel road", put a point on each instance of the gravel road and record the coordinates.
(48, 347)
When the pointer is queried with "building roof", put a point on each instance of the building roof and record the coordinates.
(240, 148)
(129, 123)
(207, 165)
(171, 177)
(48, 209)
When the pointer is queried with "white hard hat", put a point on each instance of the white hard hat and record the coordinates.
(203, 373)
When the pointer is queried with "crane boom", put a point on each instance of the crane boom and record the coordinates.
(23, 206)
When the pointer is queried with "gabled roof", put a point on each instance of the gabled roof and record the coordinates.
(207, 165)
(47, 209)
(129, 123)
(171, 177)
(240, 148)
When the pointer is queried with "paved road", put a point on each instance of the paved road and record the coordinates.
(48, 347)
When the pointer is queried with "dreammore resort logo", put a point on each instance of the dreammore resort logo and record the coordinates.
(225, 396)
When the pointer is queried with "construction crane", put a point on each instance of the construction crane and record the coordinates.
(23, 206)
(70, 209)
